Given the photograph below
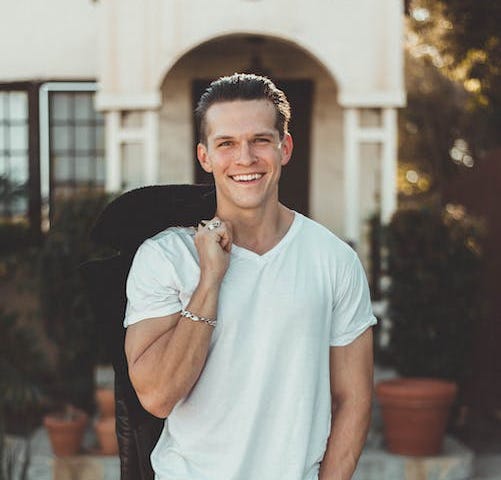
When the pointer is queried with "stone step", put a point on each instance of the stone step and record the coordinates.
(455, 463)
(487, 467)
(43, 465)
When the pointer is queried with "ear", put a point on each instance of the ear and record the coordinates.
(287, 147)
(203, 158)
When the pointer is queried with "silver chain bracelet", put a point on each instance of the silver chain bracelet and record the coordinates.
(196, 318)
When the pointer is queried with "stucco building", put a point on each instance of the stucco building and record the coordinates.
(100, 94)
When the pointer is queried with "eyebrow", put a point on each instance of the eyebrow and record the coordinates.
(222, 137)
(266, 133)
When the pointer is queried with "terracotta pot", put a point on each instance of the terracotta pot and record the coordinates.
(415, 412)
(106, 435)
(66, 430)
(105, 398)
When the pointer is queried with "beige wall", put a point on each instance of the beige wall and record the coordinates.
(358, 41)
(130, 45)
(55, 39)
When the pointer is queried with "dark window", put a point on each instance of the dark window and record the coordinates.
(76, 132)
(14, 154)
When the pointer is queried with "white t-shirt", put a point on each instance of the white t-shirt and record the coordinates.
(261, 407)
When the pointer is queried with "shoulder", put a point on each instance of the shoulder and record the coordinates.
(169, 245)
(171, 240)
(326, 242)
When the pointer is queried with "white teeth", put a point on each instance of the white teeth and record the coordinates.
(247, 178)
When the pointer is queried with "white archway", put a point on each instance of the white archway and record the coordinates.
(277, 36)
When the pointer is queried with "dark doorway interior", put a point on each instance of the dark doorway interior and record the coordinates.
(295, 181)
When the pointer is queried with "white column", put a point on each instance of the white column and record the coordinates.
(389, 165)
(151, 126)
(394, 13)
(113, 157)
(351, 175)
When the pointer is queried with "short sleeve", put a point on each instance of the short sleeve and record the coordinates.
(151, 285)
(352, 312)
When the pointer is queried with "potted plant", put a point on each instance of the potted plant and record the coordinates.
(104, 425)
(66, 429)
(105, 400)
(434, 262)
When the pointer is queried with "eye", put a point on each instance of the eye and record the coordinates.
(226, 143)
(262, 140)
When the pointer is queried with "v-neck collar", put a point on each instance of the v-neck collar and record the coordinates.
(289, 235)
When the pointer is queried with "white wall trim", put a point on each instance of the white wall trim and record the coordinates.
(131, 135)
(389, 166)
(152, 131)
(43, 102)
(113, 157)
(396, 98)
(128, 101)
(351, 175)
(354, 136)
(117, 136)
(370, 134)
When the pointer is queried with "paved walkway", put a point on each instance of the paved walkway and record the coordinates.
(457, 463)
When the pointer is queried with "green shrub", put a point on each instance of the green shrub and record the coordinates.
(435, 263)
(14, 237)
(65, 307)
(17, 247)
(24, 370)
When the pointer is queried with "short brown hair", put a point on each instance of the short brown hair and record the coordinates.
(243, 86)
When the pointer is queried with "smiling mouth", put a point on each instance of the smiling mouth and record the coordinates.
(251, 177)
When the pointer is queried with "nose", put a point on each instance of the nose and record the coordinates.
(246, 156)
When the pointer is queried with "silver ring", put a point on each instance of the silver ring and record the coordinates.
(213, 225)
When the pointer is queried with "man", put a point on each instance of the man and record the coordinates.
(251, 334)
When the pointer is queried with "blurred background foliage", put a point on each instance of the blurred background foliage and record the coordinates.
(25, 369)
(50, 342)
(435, 263)
(453, 79)
(65, 309)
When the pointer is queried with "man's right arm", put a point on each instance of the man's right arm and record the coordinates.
(166, 355)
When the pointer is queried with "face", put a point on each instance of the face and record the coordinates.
(244, 153)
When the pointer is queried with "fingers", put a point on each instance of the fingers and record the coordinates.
(211, 224)
(226, 239)
(220, 229)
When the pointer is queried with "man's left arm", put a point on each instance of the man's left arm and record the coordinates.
(351, 378)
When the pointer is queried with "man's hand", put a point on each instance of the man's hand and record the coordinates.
(213, 241)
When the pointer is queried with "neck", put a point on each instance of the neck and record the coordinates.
(258, 230)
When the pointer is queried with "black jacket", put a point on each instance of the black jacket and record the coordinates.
(123, 225)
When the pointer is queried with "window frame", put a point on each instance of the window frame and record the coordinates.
(46, 175)
(34, 200)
